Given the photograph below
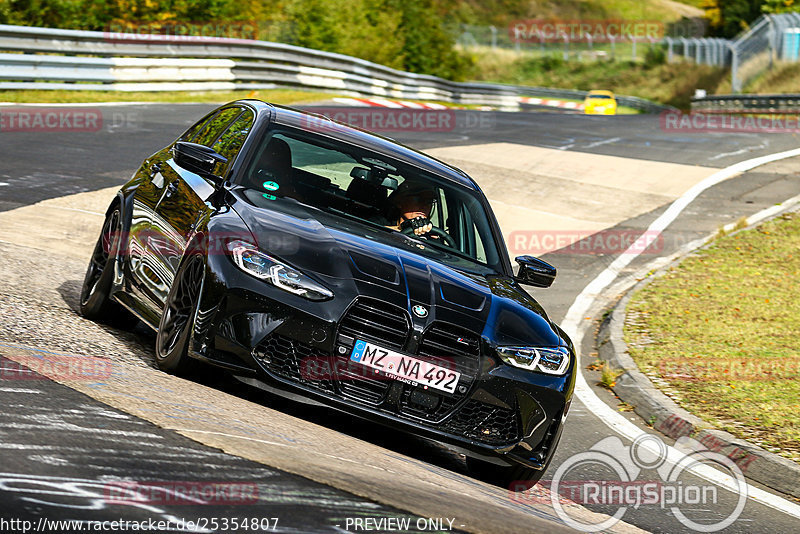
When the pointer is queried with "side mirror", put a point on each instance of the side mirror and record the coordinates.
(535, 272)
(199, 159)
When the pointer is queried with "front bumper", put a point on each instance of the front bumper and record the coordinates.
(498, 412)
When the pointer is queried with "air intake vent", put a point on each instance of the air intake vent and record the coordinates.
(485, 423)
(296, 361)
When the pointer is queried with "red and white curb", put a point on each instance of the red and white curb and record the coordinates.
(550, 102)
(384, 103)
(400, 104)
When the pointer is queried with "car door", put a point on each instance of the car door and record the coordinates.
(148, 193)
(183, 205)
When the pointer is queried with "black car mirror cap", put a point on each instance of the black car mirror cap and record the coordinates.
(535, 272)
(199, 159)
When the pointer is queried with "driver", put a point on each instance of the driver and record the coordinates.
(411, 205)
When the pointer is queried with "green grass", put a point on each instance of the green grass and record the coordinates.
(596, 9)
(277, 96)
(783, 78)
(721, 329)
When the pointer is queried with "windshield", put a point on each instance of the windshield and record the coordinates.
(354, 184)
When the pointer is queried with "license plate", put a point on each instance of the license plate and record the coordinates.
(405, 368)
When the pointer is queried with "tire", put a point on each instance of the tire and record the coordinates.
(95, 298)
(177, 319)
(516, 477)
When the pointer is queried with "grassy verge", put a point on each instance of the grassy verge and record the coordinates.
(277, 96)
(784, 78)
(721, 329)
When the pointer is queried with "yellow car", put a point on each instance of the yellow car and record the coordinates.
(600, 103)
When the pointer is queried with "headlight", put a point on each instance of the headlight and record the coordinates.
(249, 259)
(552, 361)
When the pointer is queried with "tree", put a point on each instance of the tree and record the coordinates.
(780, 6)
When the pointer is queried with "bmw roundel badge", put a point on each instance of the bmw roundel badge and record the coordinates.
(420, 311)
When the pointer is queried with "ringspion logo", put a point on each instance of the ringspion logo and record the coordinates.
(642, 475)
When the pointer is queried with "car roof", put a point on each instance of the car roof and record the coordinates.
(600, 92)
(347, 134)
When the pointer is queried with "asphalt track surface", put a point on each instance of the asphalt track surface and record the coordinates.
(62, 479)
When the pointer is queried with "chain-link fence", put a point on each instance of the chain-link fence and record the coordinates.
(770, 39)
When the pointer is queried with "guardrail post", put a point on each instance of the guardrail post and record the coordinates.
(771, 40)
(736, 85)
(494, 37)
(613, 46)
(566, 46)
(669, 49)
(633, 50)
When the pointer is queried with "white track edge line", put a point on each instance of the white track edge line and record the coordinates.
(583, 302)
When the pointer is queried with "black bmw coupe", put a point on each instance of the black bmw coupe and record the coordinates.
(325, 262)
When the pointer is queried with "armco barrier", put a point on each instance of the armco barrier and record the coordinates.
(59, 59)
(763, 104)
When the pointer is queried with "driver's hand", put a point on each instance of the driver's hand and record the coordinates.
(421, 225)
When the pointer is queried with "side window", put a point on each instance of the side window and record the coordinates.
(231, 141)
(192, 131)
(211, 131)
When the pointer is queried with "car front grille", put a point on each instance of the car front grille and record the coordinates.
(451, 347)
(372, 320)
(445, 344)
(485, 423)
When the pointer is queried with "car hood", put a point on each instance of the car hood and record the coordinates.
(355, 259)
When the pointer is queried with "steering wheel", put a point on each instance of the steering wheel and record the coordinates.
(441, 234)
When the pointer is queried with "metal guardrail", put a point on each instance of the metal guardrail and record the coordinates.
(733, 104)
(46, 58)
